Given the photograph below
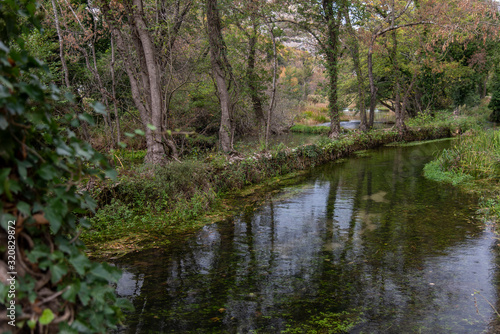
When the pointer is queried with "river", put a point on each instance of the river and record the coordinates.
(364, 245)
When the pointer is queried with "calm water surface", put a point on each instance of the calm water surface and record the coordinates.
(366, 245)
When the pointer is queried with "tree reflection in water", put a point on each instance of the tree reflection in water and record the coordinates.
(369, 236)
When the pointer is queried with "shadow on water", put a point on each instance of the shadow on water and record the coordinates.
(368, 239)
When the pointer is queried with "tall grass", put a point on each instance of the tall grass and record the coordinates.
(476, 153)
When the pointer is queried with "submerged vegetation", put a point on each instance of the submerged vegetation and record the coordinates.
(330, 323)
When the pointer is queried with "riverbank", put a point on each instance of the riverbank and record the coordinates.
(151, 206)
(473, 164)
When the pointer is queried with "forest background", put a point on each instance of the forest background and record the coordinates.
(195, 75)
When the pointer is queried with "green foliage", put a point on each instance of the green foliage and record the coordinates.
(421, 119)
(43, 164)
(151, 199)
(476, 155)
(315, 116)
(466, 119)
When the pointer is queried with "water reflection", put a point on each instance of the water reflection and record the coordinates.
(369, 236)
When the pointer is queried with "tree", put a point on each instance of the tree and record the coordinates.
(323, 21)
(222, 72)
(445, 22)
(42, 207)
(252, 31)
(61, 44)
(351, 42)
(151, 64)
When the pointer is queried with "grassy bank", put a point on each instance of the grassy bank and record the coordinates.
(473, 164)
(310, 129)
(150, 206)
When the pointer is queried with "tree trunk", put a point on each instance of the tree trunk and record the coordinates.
(357, 68)
(113, 91)
(221, 70)
(156, 152)
(273, 92)
(252, 81)
(373, 89)
(61, 45)
(400, 125)
(331, 50)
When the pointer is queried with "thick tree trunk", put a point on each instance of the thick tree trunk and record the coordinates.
(225, 118)
(144, 113)
(221, 70)
(333, 97)
(156, 152)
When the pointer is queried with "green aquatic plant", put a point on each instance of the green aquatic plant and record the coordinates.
(327, 323)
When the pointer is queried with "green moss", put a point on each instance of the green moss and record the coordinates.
(434, 171)
(423, 142)
(327, 322)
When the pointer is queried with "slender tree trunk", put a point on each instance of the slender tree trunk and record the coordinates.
(373, 88)
(64, 65)
(61, 44)
(102, 89)
(220, 70)
(400, 125)
(113, 91)
(273, 91)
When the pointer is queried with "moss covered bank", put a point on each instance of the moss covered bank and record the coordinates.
(149, 207)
